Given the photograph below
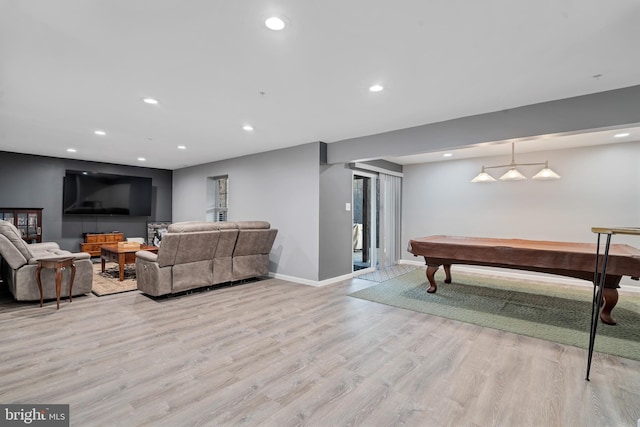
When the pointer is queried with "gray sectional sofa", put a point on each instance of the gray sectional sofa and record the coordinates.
(199, 254)
(19, 262)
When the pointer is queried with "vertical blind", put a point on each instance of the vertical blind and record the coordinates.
(390, 211)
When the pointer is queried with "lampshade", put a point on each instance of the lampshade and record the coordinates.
(513, 174)
(483, 177)
(546, 173)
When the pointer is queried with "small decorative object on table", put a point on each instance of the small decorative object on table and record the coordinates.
(128, 245)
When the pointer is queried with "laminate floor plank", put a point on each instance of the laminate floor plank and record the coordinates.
(275, 353)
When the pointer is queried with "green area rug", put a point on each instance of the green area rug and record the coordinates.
(537, 309)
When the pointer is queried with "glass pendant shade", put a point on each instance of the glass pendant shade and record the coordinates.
(513, 174)
(546, 173)
(483, 177)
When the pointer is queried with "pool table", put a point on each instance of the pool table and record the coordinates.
(562, 258)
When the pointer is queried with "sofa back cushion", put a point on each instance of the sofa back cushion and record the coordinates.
(181, 248)
(12, 234)
(226, 243)
(199, 246)
(253, 225)
(191, 227)
(252, 242)
(168, 249)
(10, 254)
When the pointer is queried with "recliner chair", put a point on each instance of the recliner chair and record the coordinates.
(19, 261)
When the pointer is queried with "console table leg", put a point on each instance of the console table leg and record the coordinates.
(71, 278)
(58, 285)
(39, 282)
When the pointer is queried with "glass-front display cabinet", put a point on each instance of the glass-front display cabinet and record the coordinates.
(28, 221)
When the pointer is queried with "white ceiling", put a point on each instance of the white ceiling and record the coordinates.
(68, 68)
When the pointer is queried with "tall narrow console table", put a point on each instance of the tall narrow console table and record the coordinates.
(598, 289)
(57, 264)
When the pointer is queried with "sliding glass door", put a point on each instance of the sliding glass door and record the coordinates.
(365, 221)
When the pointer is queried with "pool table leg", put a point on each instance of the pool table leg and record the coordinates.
(431, 271)
(447, 273)
(610, 296)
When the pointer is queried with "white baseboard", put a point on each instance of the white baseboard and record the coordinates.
(308, 282)
(486, 271)
(411, 262)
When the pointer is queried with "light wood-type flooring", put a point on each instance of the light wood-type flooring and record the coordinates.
(275, 353)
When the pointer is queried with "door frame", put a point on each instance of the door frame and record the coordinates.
(372, 219)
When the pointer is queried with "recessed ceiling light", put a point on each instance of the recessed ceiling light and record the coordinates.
(182, 147)
(151, 101)
(274, 23)
(142, 159)
(248, 128)
(447, 155)
(100, 132)
(376, 88)
(621, 135)
(71, 150)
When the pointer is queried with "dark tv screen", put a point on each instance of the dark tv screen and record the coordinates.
(91, 193)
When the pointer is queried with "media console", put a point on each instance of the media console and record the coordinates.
(93, 241)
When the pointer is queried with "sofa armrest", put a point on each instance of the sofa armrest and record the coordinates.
(147, 256)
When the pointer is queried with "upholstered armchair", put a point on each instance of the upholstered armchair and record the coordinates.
(19, 262)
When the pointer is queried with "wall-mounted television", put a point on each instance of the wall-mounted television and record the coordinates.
(91, 193)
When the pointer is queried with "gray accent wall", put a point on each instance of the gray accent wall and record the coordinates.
(280, 186)
(600, 186)
(36, 182)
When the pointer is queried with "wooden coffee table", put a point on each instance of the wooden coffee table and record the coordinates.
(123, 256)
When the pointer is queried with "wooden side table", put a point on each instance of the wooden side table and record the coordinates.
(58, 264)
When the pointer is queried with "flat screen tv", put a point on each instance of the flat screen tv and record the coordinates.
(91, 193)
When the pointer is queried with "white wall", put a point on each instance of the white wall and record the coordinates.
(278, 186)
(600, 186)
(335, 250)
